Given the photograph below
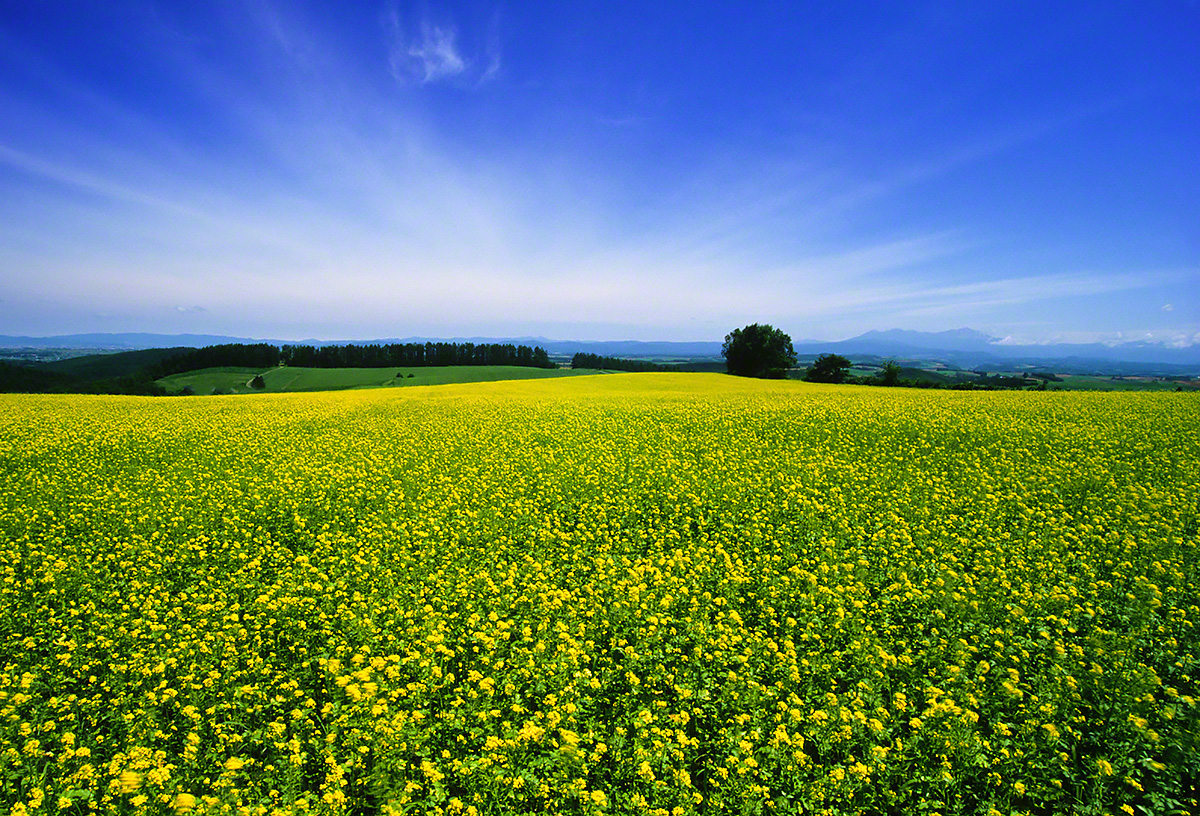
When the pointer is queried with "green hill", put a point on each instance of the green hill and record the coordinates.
(106, 366)
(293, 378)
(219, 380)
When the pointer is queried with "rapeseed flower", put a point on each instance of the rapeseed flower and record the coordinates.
(689, 591)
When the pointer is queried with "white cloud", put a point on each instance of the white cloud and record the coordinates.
(492, 50)
(427, 52)
(1167, 339)
(162, 201)
(434, 56)
(1167, 307)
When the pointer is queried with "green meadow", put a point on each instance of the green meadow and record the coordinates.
(282, 379)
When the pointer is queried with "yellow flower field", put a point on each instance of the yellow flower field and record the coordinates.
(645, 593)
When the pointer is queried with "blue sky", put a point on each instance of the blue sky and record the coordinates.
(600, 170)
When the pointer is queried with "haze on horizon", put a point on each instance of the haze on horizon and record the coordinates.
(583, 171)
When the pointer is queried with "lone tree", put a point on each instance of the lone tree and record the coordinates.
(891, 373)
(758, 351)
(828, 368)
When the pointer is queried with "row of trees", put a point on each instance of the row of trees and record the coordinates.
(595, 361)
(409, 355)
(415, 355)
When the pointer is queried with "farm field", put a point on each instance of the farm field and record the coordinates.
(1083, 382)
(235, 380)
(635, 593)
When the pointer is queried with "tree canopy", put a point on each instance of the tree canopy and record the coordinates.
(584, 360)
(890, 374)
(758, 351)
(409, 355)
(828, 368)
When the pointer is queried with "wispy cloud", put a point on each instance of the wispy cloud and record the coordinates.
(428, 51)
(433, 55)
(492, 50)
(1165, 337)
(80, 179)
(915, 299)
(234, 223)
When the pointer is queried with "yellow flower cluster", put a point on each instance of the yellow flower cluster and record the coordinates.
(645, 593)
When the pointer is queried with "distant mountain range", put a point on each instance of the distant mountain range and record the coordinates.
(128, 341)
(962, 348)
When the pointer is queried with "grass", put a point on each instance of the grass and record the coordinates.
(284, 379)
(226, 379)
(1081, 382)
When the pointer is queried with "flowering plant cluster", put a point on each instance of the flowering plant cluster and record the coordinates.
(644, 593)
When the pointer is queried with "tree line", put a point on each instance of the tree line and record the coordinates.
(412, 355)
(408, 355)
(136, 372)
(27, 379)
(595, 361)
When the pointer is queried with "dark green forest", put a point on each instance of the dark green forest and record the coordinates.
(595, 361)
(136, 372)
(412, 354)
